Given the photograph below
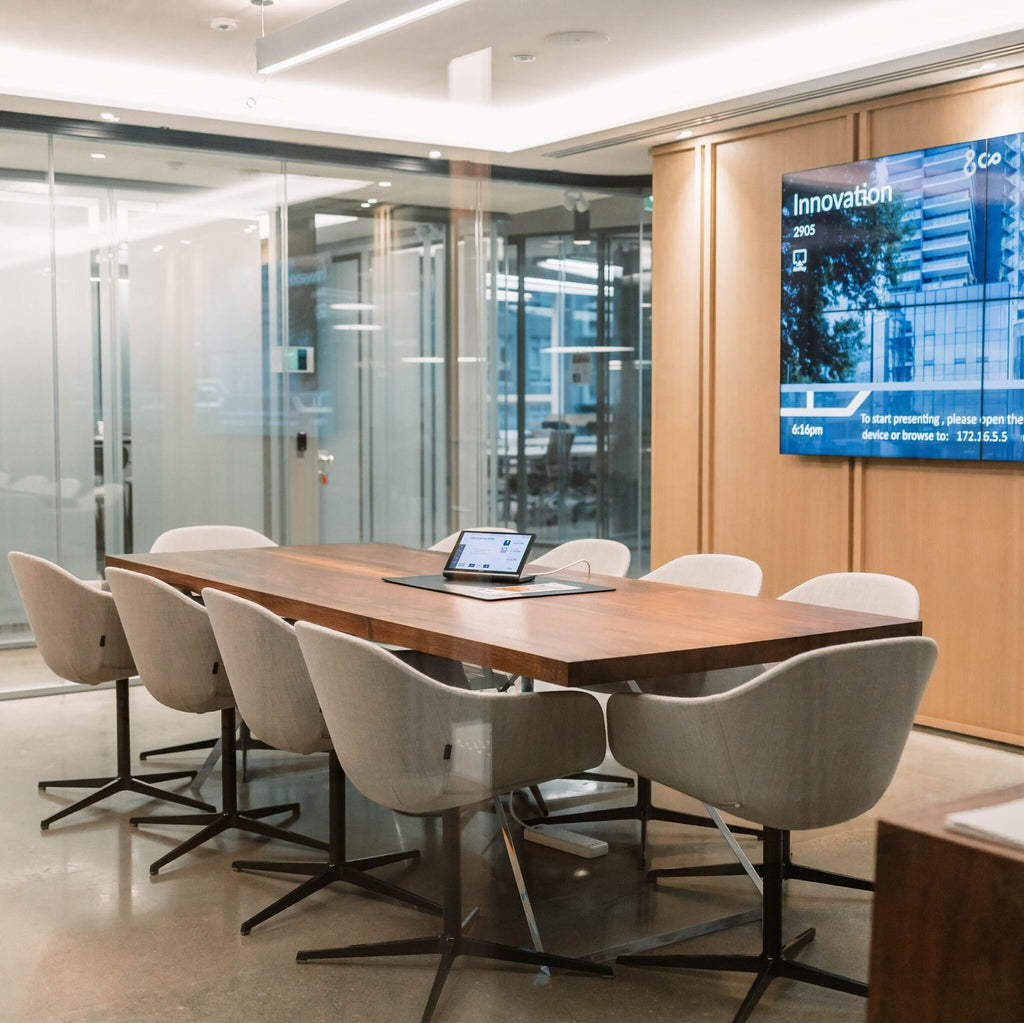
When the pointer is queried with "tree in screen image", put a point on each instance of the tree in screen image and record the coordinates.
(855, 254)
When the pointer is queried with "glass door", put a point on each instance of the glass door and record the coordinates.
(393, 406)
(380, 346)
(575, 365)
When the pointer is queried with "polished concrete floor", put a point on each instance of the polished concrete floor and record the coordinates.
(89, 936)
(22, 672)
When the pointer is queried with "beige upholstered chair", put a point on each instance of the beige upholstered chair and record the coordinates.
(419, 746)
(852, 591)
(727, 572)
(180, 664)
(206, 538)
(859, 591)
(80, 639)
(447, 545)
(811, 743)
(605, 557)
(873, 593)
(274, 694)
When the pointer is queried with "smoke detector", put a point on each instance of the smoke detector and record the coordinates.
(223, 24)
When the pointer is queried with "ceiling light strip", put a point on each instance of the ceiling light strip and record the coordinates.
(338, 28)
(781, 102)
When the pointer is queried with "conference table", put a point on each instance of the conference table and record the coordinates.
(632, 631)
(636, 630)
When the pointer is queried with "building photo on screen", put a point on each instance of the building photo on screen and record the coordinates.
(902, 317)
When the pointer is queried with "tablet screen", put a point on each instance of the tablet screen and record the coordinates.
(490, 553)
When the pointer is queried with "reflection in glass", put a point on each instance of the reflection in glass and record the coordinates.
(575, 359)
(194, 337)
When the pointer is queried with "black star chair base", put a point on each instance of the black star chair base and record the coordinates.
(124, 780)
(417, 745)
(452, 942)
(180, 665)
(812, 742)
(776, 956)
(337, 869)
(274, 692)
(230, 817)
(80, 639)
(790, 871)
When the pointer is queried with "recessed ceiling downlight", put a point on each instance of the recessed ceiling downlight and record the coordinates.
(223, 24)
(577, 37)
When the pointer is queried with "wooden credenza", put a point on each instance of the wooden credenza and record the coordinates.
(947, 941)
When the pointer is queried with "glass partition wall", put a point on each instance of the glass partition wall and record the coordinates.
(574, 383)
(320, 352)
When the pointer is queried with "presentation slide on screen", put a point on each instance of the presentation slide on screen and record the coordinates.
(902, 315)
(493, 552)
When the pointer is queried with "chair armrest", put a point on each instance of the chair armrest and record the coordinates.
(675, 741)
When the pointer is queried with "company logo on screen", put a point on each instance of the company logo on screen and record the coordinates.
(902, 326)
(972, 162)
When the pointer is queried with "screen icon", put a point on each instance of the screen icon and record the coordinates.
(799, 260)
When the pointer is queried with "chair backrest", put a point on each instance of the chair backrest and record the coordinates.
(268, 674)
(556, 458)
(860, 591)
(172, 641)
(812, 742)
(208, 538)
(728, 572)
(447, 545)
(420, 746)
(606, 557)
(75, 622)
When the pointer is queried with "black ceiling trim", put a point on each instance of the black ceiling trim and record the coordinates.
(101, 131)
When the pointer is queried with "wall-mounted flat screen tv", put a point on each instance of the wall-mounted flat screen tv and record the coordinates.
(902, 329)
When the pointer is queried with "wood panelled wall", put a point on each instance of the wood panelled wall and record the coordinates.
(954, 529)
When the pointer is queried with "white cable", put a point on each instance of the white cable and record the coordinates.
(514, 815)
(562, 568)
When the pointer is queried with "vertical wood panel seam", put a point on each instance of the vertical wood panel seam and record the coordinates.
(699, 196)
(707, 344)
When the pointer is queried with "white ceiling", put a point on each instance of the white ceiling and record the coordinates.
(666, 62)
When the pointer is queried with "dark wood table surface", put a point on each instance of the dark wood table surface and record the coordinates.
(639, 630)
(947, 942)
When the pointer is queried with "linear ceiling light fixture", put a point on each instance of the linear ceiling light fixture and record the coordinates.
(339, 27)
